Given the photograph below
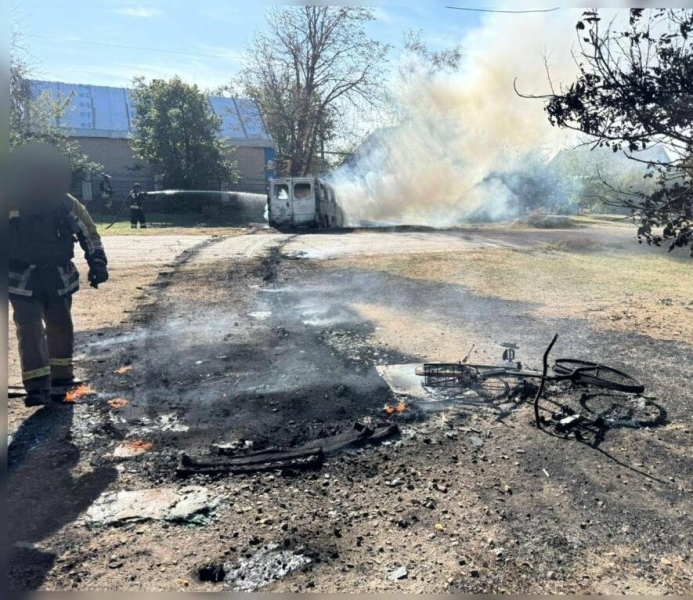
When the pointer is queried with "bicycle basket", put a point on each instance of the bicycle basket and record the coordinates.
(447, 375)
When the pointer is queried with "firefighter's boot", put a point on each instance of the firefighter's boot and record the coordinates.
(37, 398)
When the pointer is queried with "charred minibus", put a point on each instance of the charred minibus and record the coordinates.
(302, 202)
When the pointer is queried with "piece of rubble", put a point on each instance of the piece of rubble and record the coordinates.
(397, 574)
(477, 442)
(267, 565)
(187, 504)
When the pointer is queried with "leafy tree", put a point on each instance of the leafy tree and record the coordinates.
(311, 74)
(36, 118)
(635, 90)
(177, 132)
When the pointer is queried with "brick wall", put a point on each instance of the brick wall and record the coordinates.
(120, 163)
(251, 164)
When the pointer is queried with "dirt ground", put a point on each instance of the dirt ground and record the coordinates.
(268, 339)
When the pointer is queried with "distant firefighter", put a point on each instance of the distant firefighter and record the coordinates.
(45, 221)
(137, 197)
(106, 189)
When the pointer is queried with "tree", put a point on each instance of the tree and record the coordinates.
(635, 91)
(433, 60)
(177, 132)
(314, 69)
(36, 118)
(581, 176)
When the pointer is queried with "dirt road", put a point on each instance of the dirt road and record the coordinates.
(273, 339)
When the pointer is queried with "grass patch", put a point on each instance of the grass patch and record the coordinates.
(578, 244)
(170, 224)
(645, 293)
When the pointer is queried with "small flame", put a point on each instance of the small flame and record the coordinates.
(132, 448)
(118, 402)
(141, 445)
(401, 407)
(79, 392)
(124, 369)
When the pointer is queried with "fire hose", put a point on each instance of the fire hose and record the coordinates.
(120, 210)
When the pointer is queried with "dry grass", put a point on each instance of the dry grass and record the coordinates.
(169, 224)
(416, 335)
(162, 229)
(638, 292)
(579, 244)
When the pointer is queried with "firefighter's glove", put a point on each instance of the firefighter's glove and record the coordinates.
(98, 273)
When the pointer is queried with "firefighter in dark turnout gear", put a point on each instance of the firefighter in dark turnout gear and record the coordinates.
(137, 197)
(106, 190)
(44, 224)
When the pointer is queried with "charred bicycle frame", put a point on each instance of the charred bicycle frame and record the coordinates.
(463, 374)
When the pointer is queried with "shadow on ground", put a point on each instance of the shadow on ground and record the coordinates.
(42, 493)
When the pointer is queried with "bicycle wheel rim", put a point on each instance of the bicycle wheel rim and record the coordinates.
(492, 388)
(598, 375)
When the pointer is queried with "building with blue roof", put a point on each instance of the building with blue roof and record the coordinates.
(100, 118)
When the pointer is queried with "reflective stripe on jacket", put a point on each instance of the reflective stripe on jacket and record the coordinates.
(137, 199)
(60, 280)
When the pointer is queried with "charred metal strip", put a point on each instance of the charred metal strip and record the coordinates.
(271, 456)
(545, 368)
(189, 466)
(384, 433)
(308, 456)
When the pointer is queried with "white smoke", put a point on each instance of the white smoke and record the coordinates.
(460, 127)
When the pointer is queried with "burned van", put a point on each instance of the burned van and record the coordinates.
(302, 202)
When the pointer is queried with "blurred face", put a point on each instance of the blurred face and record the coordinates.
(37, 178)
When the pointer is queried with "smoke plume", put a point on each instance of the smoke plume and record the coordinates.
(461, 129)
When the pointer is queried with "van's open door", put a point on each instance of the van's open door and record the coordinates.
(280, 212)
(304, 202)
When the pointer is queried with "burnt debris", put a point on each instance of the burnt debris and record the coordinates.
(307, 456)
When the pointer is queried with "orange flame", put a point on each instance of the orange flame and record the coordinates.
(132, 448)
(118, 402)
(79, 392)
(124, 369)
(141, 445)
(401, 407)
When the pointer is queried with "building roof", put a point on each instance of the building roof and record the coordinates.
(103, 111)
(655, 153)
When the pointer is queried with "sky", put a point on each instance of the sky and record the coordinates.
(111, 41)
